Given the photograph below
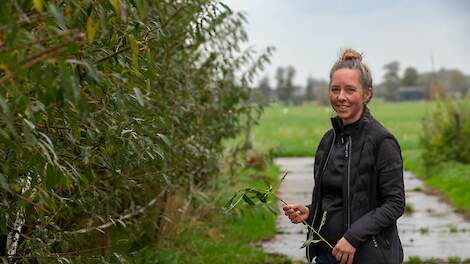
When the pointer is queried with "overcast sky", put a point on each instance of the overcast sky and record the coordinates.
(309, 34)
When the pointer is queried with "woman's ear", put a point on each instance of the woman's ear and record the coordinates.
(368, 95)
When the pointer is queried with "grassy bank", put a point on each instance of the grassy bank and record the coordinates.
(297, 130)
(219, 237)
(453, 180)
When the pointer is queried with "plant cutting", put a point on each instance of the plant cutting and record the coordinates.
(253, 196)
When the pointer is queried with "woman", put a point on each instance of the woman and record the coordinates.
(358, 175)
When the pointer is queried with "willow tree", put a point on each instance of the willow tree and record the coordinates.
(106, 109)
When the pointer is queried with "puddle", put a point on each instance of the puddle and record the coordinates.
(432, 230)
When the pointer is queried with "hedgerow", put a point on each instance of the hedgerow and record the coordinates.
(107, 108)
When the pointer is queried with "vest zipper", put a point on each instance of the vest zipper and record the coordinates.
(348, 155)
(319, 182)
(322, 172)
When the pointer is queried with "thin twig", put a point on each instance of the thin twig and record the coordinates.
(112, 222)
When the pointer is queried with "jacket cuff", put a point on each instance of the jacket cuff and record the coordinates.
(310, 215)
(352, 240)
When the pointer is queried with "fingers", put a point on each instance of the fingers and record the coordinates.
(294, 217)
(344, 258)
(343, 252)
(297, 213)
(350, 259)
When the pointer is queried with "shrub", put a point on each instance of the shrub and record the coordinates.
(107, 108)
(446, 133)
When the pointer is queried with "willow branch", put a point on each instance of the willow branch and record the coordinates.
(112, 222)
(305, 223)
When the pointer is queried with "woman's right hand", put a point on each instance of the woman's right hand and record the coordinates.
(297, 213)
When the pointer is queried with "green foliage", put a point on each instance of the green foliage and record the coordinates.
(253, 197)
(220, 237)
(409, 209)
(107, 107)
(446, 133)
(414, 260)
(410, 76)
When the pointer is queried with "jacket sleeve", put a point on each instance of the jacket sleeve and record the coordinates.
(389, 167)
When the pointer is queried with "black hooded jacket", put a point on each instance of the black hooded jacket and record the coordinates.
(373, 190)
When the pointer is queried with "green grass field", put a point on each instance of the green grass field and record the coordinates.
(297, 130)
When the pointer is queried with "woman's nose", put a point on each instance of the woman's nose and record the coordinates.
(341, 95)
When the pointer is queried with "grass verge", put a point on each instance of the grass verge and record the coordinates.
(224, 238)
(453, 180)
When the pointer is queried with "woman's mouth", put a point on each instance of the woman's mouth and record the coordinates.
(342, 107)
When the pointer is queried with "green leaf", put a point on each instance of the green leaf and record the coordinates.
(139, 96)
(164, 138)
(263, 197)
(28, 132)
(142, 8)
(272, 210)
(4, 183)
(248, 200)
(91, 29)
(57, 14)
(38, 5)
(115, 4)
(323, 220)
(311, 241)
(229, 206)
(134, 52)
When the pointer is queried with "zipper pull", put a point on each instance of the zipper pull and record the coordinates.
(346, 150)
(375, 242)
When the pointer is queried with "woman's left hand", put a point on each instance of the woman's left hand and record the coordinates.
(344, 251)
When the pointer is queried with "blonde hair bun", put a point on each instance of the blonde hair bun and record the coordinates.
(350, 54)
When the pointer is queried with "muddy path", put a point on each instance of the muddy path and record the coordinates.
(430, 229)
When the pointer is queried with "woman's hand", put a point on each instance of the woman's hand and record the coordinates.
(344, 251)
(297, 213)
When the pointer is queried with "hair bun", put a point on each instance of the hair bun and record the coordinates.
(350, 54)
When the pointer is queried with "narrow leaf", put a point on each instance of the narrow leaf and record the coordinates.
(272, 210)
(91, 30)
(323, 221)
(139, 96)
(57, 14)
(310, 241)
(164, 138)
(263, 197)
(248, 200)
(4, 183)
(234, 204)
(134, 52)
(38, 5)
(116, 5)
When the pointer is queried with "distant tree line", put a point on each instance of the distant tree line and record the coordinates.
(443, 83)
(394, 86)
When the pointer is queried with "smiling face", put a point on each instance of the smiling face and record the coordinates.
(347, 96)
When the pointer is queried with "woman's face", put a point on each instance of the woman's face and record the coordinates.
(347, 96)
